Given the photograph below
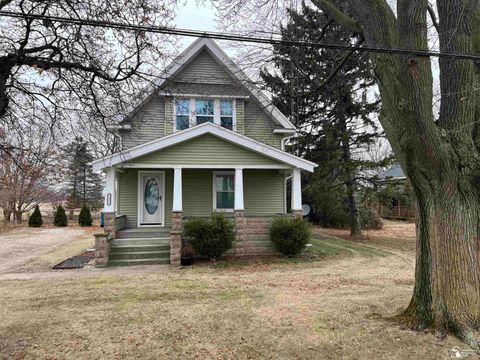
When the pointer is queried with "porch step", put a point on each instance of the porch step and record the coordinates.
(127, 262)
(136, 255)
(141, 241)
(139, 250)
(143, 233)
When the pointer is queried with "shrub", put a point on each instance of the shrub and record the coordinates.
(85, 218)
(35, 219)
(289, 235)
(60, 218)
(369, 219)
(210, 236)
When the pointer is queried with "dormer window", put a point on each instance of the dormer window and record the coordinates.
(195, 111)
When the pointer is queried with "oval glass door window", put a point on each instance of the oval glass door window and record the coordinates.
(151, 196)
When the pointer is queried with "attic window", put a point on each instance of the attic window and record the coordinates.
(193, 111)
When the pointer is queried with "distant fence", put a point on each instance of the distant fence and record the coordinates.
(397, 212)
(48, 215)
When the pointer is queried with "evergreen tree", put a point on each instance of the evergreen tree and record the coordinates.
(60, 218)
(35, 219)
(83, 185)
(85, 218)
(327, 98)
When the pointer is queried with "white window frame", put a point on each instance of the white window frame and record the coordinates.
(216, 111)
(214, 175)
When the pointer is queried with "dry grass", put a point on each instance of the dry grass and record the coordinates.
(329, 308)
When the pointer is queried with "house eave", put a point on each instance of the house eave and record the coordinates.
(195, 131)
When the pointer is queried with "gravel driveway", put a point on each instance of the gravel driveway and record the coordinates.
(24, 244)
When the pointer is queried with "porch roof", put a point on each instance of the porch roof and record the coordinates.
(122, 158)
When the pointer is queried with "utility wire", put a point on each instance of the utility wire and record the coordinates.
(236, 37)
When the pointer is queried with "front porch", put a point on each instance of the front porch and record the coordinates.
(250, 197)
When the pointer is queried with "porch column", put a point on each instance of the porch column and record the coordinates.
(177, 218)
(238, 203)
(177, 190)
(110, 201)
(240, 220)
(296, 193)
(110, 193)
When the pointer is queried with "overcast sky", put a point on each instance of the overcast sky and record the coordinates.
(191, 16)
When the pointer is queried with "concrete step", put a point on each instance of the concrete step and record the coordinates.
(137, 255)
(148, 261)
(143, 233)
(141, 241)
(137, 248)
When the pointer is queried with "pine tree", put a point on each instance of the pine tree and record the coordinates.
(85, 218)
(60, 218)
(35, 219)
(330, 106)
(84, 187)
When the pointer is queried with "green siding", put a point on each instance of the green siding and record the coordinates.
(207, 150)
(263, 193)
(203, 76)
(259, 126)
(128, 196)
(197, 192)
(204, 69)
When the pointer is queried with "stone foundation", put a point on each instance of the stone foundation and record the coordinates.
(240, 232)
(113, 223)
(102, 249)
(176, 238)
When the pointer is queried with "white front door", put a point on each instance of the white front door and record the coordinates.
(151, 199)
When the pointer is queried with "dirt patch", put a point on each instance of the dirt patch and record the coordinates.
(22, 246)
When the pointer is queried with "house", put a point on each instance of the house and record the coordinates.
(396, 199)
(206, 140)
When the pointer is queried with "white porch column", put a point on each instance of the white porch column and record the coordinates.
(296, 190)
(110, 191)
(238, 190)
(177, 190)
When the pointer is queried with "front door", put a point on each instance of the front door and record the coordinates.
(151, 199)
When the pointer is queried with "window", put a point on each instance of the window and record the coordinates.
(190, 112)
(226, 114)
(204, 111)
(182, 112)
(224, 190)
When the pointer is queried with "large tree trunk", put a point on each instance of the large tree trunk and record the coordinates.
(441, 158)
(447, 275)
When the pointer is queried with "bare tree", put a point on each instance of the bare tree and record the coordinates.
(28, 172)
(83, 78)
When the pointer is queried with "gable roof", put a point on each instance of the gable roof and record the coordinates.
(220, 56)
(198, 130)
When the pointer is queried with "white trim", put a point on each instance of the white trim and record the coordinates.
(198, 130)
(284, 131)
(130, 165)
(166, 93)
(177, 190)
(238, 186)
(120, 127)
(296, 190)
(110, 193)
(198, 45)
(214, 174)
(139, 197)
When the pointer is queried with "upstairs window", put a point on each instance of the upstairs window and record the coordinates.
(182, 111)
(204, 111)
(190, 112)
(226, 114)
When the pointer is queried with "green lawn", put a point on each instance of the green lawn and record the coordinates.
(329, 304)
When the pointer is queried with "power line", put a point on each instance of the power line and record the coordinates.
(236, 37)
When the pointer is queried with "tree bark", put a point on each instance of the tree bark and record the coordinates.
(441, 159)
